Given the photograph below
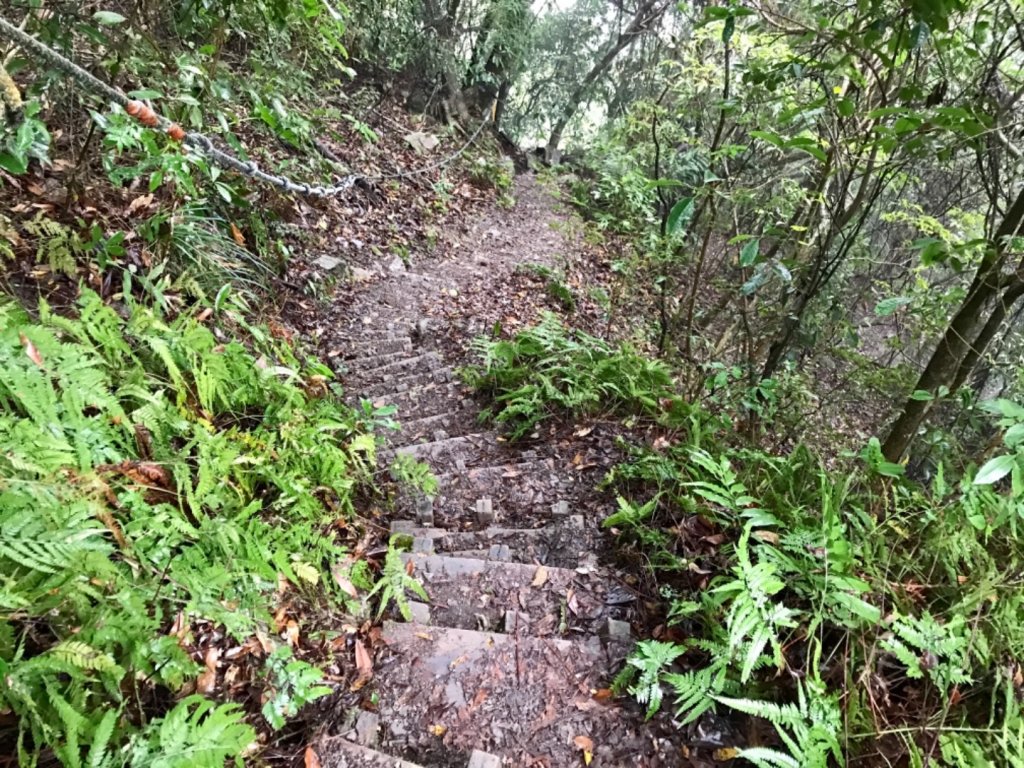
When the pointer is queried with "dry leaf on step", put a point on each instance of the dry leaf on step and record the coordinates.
(364, 666)
(586, 746)
(540, 577)
(311, 759)
(292, 633)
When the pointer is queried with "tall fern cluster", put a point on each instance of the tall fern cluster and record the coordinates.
(549, 369)
(152, 475)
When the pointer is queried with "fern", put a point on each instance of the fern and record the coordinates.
(56, 246)
(645, 667)
(754, 619)
(392, 585)
(142, 459)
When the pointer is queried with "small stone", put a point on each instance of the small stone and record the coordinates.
(454, 695)
(499, 552)
(560, 509)
(440, 434)
(402, 526)
(616, 631)
(484, 512)
(420, 612)
(396, 265)
(360, 275)
(514, 619)
(478, 759)
(425, 511)
(575, 521)
(367, 726)
(423, 545)
(460, 465)
(327, 263)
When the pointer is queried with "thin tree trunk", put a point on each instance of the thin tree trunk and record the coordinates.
(648, 12)
(948, 366)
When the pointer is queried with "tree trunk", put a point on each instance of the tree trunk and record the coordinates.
(648, 12)
(957, 353)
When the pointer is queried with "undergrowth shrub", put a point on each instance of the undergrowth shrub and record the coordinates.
(852, 609)
(910, 590)
(548, 370)
(152, 476)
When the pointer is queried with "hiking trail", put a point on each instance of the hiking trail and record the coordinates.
(524, 624)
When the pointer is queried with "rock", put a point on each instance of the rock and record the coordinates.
(396, 265)
(560, 511)
(480, 759)
(422, 142)
(366, 729)
(499, 552)
(425, 511)
(327, 263)
(484, 511)
(420, 612)
(360, 275)
(423, 545)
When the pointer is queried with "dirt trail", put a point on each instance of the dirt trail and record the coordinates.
(524, 624)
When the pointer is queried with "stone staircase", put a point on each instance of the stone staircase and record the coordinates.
(509, 662)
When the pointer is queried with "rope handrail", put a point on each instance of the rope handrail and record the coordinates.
(198, 141)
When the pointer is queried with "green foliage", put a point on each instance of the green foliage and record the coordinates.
(28, 140)
(393, 582)
(409, 472)
(292, 684)
(149, 470)
(547, 370)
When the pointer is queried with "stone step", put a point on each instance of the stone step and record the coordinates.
(460, 420)
(374, 348)
(422, 401)
(472, 593)
(522, 695)
(338, 752)
(528, 489)
(463, 451)
(560, 544)
(401, 382)
(373, 370)
(355, 334)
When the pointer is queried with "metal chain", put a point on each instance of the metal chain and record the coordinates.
(198, 141)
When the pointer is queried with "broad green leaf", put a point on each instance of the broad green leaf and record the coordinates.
(749, 253)
(679, 216)
(108, 18)
(886, 307)
(994, 470)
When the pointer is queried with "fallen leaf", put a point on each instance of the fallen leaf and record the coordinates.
(30, 350)
(364, 666)
(311, 759)
(586, 745)
(725, 753)
(143, 201)
(768, 537)
(438, 730)
(292, 633)
(540, 577)
(583, 432)
(603, 694)
(237, 234)
(208, 680)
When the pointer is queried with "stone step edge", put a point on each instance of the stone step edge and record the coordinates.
(330, 748)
